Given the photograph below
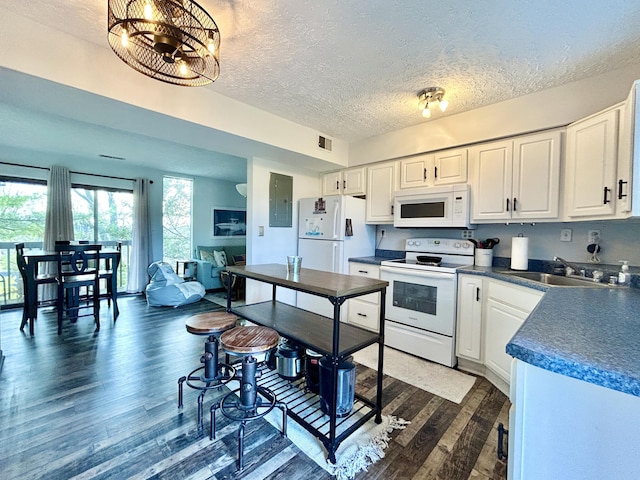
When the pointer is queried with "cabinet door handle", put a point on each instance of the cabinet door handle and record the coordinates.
(477, 294)
(337, 184)
(391, 209)
(424, 174)
(366, 272)
(344, 184)
(362, 314)
(515, 204)
(435, 172)
(507, 204)
(605, 200)
(620, 184)
(501, 433)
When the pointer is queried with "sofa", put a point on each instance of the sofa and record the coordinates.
(211, 262)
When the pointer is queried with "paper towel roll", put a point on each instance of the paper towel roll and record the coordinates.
(520, 253)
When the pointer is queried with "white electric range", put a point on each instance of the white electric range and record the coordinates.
(422, 297)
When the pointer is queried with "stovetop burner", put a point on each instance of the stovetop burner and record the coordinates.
(439, 255)
(428, 260)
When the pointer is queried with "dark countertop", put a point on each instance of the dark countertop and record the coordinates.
(592, 334)
(380, 256)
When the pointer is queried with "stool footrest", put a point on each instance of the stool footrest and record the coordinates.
(234, 410)
(197, 381)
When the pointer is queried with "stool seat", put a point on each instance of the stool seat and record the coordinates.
(209, 323)
(247, 340)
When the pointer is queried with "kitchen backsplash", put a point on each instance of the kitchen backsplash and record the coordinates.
(620, 240)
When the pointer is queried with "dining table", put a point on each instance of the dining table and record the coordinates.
(34, 258)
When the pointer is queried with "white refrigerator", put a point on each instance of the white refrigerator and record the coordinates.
(331, 230)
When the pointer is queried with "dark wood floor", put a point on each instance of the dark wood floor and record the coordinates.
(104, 405)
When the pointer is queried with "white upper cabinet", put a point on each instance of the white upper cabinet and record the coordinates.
(345, 182)
(332, 183)
(381, 187)
(354, 181)
(491, 168)
(450, 166)
(441, 168)
(599, 163)
(516, 179)
(415, 171)
(592, 153)
(536, 176)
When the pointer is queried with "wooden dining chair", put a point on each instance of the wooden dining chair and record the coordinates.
(30, 281)
(78, 267)
(107, 271)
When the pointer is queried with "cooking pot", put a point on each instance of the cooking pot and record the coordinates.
(289, 361)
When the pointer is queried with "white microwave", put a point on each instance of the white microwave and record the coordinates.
(446, 206)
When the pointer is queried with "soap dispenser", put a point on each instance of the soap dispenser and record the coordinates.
(624, 275)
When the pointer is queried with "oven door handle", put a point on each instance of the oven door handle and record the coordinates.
(417, 273)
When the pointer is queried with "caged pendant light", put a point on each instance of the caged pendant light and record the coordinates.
(175, 41)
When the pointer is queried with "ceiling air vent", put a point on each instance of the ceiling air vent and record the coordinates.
(324, 143)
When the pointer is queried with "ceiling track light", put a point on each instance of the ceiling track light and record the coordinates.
(429, 96)
(175, 41)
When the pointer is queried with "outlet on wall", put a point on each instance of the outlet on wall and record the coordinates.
(593, 236)
(565, 235)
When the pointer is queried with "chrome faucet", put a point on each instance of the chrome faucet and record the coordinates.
(570, 267)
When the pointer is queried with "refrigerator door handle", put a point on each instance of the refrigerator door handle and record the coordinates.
(336, 219)
(336, 266)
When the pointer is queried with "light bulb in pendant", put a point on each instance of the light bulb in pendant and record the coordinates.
(211, 46)
(443, 105)
(426, 113)
(124, 38)
(148, 11)
(182, 68)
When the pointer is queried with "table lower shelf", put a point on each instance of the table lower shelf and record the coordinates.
(303, 406)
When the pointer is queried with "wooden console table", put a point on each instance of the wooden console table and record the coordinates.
(324, 335)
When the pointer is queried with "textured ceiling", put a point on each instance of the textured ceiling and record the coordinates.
(352, 69)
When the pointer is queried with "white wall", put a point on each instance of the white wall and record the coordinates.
(277, 242)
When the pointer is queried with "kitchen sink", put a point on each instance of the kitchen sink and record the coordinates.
(555, 280)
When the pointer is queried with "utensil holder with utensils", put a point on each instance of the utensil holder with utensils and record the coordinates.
(484, 251)
(484, 257)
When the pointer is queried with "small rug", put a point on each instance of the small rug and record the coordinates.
(442, 381)
(220, 298)
(362, 448)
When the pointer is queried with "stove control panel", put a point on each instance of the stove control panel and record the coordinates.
(439, 245)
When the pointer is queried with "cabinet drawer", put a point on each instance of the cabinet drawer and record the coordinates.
(364, 314)
(370, 271)
(522, 298)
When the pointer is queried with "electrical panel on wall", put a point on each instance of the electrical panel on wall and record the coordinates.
(280, 200)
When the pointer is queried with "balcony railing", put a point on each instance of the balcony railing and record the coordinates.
(11, 287)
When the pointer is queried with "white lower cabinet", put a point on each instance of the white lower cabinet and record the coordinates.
(469, 326)
(490, 312)
(364, 311)
(564, 428)
(508, 306)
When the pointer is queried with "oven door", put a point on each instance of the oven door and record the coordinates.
(421, 299)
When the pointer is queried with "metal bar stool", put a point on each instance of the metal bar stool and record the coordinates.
(245, 405)
(212, 374)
